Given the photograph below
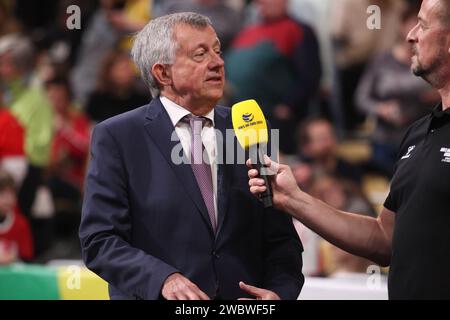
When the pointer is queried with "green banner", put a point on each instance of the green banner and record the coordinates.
(28, 282)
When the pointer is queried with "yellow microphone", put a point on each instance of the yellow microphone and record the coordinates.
(251, 131)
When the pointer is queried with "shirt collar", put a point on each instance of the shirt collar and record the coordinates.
(439, 113)
(177, 112)
(438, 118)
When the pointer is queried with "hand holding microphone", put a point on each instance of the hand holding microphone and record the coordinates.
(283, 185)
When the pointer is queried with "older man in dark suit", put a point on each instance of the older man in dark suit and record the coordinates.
(154, 227)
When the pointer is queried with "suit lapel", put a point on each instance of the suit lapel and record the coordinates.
(160, 129)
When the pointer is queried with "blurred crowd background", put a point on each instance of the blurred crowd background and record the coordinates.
(341, 94)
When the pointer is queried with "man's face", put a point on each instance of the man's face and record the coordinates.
(7, 69)
(322, 142)
(58, 97)
(430, 40)
(122, 73)
(7, 201)
(197, 73)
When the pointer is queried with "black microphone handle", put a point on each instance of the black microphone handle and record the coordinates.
(266, 196)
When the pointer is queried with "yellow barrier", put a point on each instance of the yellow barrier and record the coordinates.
(81, 284)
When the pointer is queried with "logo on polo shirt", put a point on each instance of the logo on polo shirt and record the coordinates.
(408, 154)
(446, 152)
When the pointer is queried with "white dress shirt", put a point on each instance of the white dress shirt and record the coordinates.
(183, 130)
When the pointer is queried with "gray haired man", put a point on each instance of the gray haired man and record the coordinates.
(156, 229)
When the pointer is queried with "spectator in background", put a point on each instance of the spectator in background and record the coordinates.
(66, 170)
(116, 90)
(12, 156)
(277, 63)
(317, 145)
(96, 42)
(345, 196)
(316, 14)
(71, 141)
(69, 154)
(128, 17)
(108, 26)
(342, 194)
(227, 22)
(15, 235)
(344, 265)
(355, 44)
(27, 101)
(393, 97)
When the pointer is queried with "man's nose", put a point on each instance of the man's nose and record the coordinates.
(412, 35)
(216, 61)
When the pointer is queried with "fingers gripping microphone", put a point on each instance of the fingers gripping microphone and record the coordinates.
(251, 131)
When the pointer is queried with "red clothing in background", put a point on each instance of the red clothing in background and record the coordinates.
(15, 230)
(70, 149)
(11, 135)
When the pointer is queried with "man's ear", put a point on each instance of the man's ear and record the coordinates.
(448, 42)
(162, 74)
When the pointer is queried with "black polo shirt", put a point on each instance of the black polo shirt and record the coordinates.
(420, 198)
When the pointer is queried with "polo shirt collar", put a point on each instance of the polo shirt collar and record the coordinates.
(438, 118)
(439, 113)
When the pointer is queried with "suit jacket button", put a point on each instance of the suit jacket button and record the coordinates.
(215, 255)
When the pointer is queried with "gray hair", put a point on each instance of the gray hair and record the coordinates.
(155, 43)
(21, 50)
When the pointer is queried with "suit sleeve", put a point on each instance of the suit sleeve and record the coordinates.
(105, 229)
(283, 259)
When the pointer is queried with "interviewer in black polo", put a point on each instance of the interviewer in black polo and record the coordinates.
(412, 233)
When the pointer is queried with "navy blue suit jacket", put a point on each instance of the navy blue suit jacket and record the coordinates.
(144, 217)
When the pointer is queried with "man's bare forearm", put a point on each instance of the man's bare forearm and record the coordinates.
(357, 234)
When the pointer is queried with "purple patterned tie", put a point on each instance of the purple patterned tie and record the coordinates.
(201, 167)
